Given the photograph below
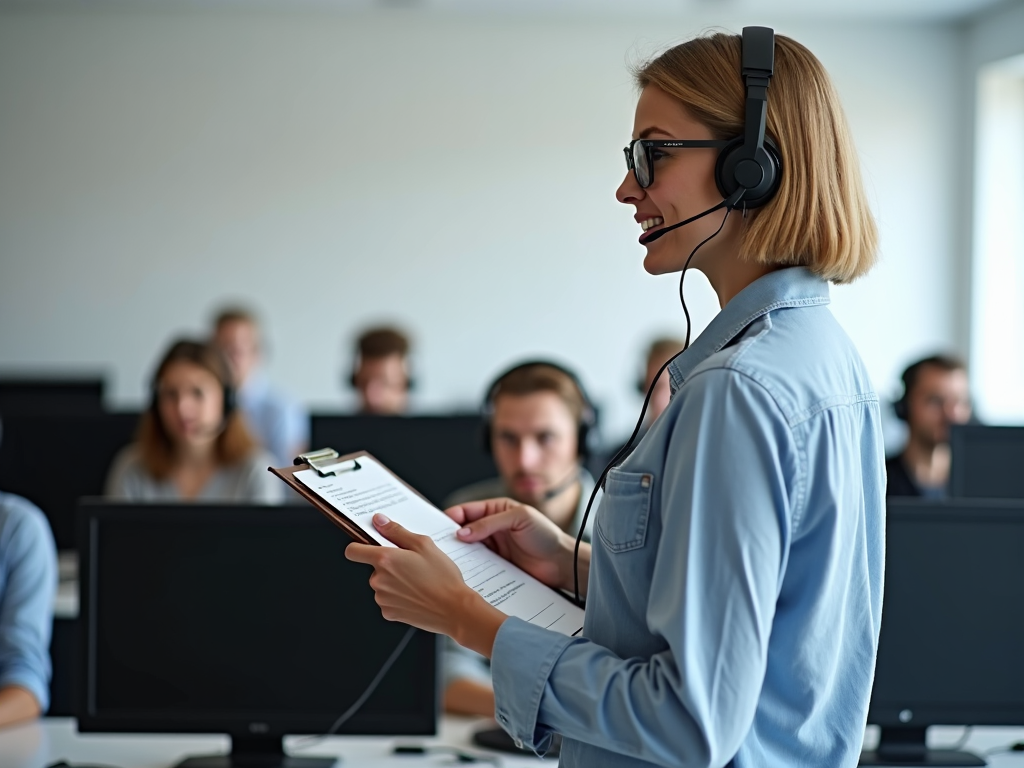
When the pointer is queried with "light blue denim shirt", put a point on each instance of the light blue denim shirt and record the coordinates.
(735, 586)
(28, 584)
(279, 423)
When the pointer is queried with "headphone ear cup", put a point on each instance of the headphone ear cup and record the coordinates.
(230, 401)
(485, 437)
(900, 407)
(770, 162)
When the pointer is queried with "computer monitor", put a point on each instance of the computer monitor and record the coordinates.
(245, 620)
(987, 462)
(53, 460)
(951, 650)
(26, 395)
(436, 455)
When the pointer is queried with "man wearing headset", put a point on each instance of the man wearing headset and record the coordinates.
(380, 371)
(936, 395)
(537, 423)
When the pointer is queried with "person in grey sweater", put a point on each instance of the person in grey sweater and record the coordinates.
(193, 444)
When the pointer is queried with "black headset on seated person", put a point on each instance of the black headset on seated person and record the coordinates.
(586, 428)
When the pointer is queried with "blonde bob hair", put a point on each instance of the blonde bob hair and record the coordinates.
(819, 218)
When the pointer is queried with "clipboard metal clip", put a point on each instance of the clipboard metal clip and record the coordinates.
(324, 461)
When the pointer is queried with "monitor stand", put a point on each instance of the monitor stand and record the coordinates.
(907, 747)
(257, 752)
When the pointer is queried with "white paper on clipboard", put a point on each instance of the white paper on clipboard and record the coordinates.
(359, 494)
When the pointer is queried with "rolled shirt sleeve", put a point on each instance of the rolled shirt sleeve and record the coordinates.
(28, 583)
(709, 568)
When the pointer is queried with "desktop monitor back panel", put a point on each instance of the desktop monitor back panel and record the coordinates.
(951, 650)
(207, 618)
(24, 396)
(987, 462)
(436, 455)
(53, 460)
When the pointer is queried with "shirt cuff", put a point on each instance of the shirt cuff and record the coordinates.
(31, 682)
(521, 661)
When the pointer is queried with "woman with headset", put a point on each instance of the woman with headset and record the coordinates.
(192, 443)
(733, 587)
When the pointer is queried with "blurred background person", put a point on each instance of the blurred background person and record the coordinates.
(936, 395)
(660, 351)
(193, 443)
(28, 584)
(381, 372)
(538, 424)
(277, 421)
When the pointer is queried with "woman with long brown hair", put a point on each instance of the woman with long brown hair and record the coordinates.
(192, 444)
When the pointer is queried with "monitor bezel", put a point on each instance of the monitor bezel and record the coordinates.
(887, 714)
(92, 513)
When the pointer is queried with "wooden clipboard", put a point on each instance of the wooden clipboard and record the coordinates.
(308, 461)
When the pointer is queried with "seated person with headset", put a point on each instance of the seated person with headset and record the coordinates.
(936, 395)
(192, 442)
(278, 422)
(538, 426)
(28, 582)
(380, 371)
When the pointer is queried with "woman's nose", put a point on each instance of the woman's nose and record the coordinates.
(629, 192)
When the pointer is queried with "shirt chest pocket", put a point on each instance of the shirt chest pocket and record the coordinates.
(625, 508)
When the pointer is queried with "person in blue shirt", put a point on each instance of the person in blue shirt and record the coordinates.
(28, 585)
(280, 423)
(734, 583)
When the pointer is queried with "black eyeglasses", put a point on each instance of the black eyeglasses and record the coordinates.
(639, 157)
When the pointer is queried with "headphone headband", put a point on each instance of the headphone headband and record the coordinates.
(750, 165)
(588, 416)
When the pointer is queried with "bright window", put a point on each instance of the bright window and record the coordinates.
(997, 322)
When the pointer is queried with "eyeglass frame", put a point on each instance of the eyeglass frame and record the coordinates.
(649, 144)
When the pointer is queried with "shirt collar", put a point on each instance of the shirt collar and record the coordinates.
(790, 287)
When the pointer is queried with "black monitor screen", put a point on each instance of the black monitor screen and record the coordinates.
(213, 618)
(23, 396)
(436, 455)
(26, 469)
(987, 462)
(952, 644)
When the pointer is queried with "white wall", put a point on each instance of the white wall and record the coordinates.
(453, 173)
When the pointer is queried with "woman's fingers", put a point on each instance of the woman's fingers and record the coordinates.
(474, 510)
(485, 527)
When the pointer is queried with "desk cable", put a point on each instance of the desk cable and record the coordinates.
(308, 741)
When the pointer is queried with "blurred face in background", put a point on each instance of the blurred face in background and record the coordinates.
(534, 441)
(662, 390)
(240, 342)
(938, 399)
(383, 385)
(190, 404)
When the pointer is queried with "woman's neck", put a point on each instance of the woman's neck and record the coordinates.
(728, 276)
(196, 455)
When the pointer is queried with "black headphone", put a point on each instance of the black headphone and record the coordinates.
(586, 430)
(751, 165)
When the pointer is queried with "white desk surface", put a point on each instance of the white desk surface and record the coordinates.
(39, 744)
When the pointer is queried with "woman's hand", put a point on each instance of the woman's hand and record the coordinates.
(523, 536)
(418, 584)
